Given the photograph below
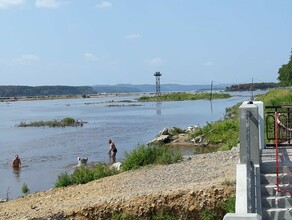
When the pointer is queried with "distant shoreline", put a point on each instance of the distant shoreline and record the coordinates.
(56, 97)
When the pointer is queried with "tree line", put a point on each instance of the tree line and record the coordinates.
(26, 91)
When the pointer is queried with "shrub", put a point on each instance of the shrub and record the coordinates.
(144, 155)
(24, 188)
(229, 205)
(63, 180)
(68, 121)
(207, 214)
(82, 175)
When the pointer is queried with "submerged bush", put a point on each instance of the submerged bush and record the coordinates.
(85, 174)
(144, 155)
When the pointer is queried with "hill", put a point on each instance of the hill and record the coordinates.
(30, 91)
(20, 91)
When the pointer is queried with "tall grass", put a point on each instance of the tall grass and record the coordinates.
(144, 155)
(276, 97)
(223, 133)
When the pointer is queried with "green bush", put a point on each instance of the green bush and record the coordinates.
(229, 205)
(144, 155)
(25, 189)
(82, 175)
(207, 214)
(64, 179)
(68, 121)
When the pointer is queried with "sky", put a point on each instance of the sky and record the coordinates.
(92, 42)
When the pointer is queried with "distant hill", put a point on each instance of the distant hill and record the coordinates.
(29, 91)
(128, 88)
(19, 91)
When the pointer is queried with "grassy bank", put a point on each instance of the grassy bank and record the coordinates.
(141, 156)
(181, 96)
(225, 133)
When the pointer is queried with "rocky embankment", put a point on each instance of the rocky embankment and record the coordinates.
(183, 189)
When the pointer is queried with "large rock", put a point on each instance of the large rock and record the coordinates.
(159, 139)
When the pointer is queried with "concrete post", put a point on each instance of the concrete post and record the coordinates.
(260, 106)
(249, 148)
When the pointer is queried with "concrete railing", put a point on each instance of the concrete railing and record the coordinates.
(248, 187)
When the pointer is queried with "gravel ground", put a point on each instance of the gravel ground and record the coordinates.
(194, 173)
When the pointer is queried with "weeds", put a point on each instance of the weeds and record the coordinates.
(144, 155)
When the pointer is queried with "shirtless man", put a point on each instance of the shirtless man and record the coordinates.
(112, 150)
(16, 163)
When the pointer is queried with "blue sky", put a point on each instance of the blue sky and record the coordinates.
(92, 42)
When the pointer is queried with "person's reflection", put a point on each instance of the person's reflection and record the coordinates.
(16, 172)
(158, 108)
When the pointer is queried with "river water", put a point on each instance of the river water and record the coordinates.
(47, 152)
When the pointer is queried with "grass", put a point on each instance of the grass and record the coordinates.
(84, 174)
(154, 216)
(53, 123)
(223, 134)
(144, 155)
(180, 96)
(276, 97)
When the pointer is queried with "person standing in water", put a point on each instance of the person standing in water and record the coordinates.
(112, 150)
(16, 163)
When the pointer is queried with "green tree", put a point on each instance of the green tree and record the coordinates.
(285, 73)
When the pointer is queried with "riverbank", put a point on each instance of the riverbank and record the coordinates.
(185, 189)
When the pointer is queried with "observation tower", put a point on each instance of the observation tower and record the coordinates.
(157, 75)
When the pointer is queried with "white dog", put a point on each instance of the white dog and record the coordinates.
(82, 161)
(117, 165)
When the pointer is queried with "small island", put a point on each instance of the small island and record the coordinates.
(53, 123)
(181, 96)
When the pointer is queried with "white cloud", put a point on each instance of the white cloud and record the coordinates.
(47, 4)
(91, 57)
(133, 36)
(104, 4)
(154, 61)
(28, 59)
(4, 4)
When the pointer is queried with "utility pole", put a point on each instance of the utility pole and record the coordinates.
(211, 90)
(157, 76)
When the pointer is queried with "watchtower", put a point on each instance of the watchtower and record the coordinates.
(157, 75)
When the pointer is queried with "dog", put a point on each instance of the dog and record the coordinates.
(82, 161)
(117, 165)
